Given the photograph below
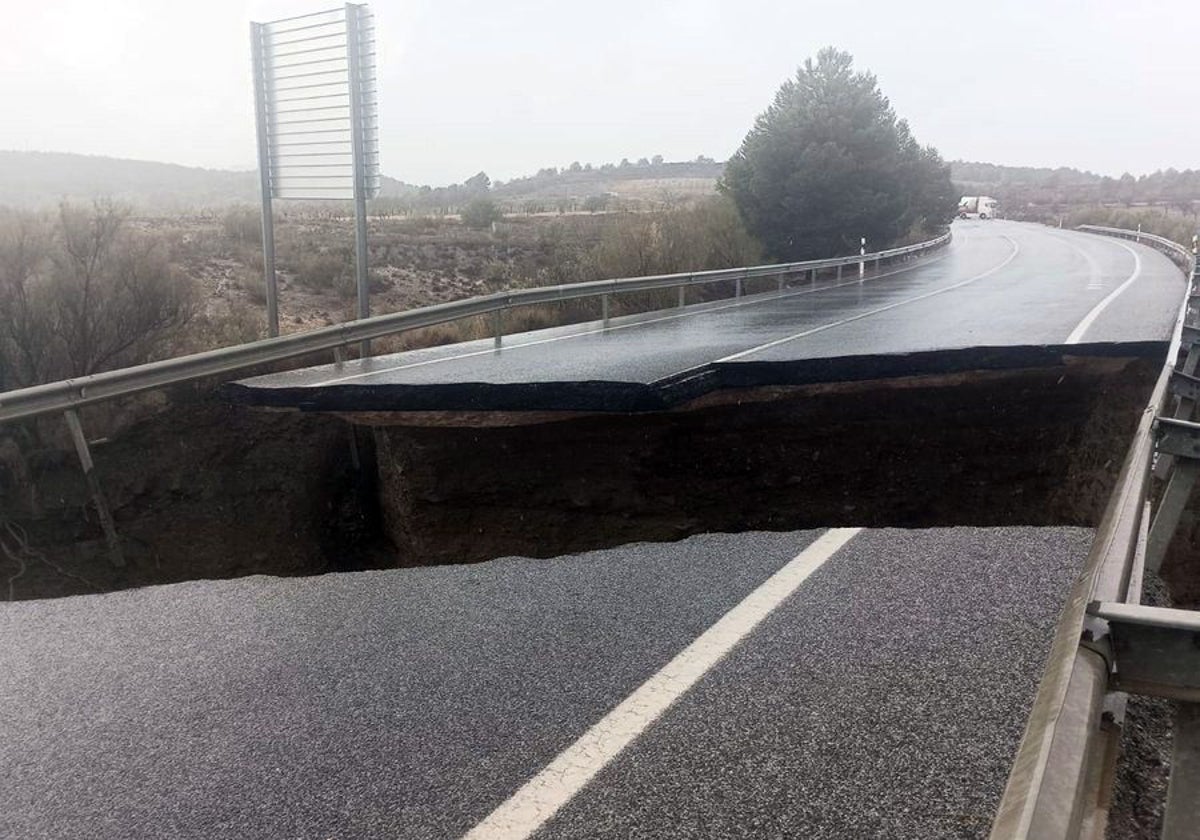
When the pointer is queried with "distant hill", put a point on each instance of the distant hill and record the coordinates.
(35, 179)
(41, 179)
(1024, 188)
(647, 184)
(580, 181)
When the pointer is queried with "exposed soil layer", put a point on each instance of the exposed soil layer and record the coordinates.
(202, 490)
(207, 490)
(1029, 447)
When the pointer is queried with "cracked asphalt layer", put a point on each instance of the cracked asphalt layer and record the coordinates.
(884, 698)
(401, 703)
(998, 285)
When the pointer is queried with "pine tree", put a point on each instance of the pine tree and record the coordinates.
(829, 162)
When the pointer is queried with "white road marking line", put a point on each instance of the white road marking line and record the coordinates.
(1076, 335)
(543, 795)
(814, 330)
(744, 302)
(1095, 274)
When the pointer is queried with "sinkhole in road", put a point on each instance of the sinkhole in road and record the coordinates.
(1013, 447)
(206, 489)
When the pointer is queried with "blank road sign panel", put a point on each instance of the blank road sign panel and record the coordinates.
(305, 69)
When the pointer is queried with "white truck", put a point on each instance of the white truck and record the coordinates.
(976, 207)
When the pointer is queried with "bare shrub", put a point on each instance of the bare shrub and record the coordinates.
(451, 332)
(707, 235)
(323, 270)
(242, 225)
(81, 293)
(252, 283)
(480, 214)
(209, 330)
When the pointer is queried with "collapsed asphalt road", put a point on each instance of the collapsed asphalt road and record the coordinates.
(877, 691)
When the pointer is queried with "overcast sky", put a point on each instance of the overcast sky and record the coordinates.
(509, 87)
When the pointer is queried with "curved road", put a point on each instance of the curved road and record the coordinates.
(824, 684)
(999, 284)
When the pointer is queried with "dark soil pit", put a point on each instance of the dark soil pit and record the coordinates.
(1029, 447)
(207, 490)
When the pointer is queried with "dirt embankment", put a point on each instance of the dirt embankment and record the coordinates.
(1035, 447)
(206, 490)
(202, 490)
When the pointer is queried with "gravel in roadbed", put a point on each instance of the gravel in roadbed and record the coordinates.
(885, 699)
(403, 703)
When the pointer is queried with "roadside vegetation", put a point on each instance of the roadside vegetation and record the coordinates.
(91, 287)
(1174, 224)
(80, 292)
(87, 288)
(829, 162)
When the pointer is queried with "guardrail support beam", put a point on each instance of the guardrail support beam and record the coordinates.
(1152, 651)
(682, 296)
(1182, 813)
(1180, 441)
(498, 326)
(116, 555)
(1187, 388)
(1170, 511)
(604, 310)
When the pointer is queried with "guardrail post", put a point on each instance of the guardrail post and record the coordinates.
(497, 326)
(812, 279)
(780, 283)
(1175, 438)
(604, 310)
(89, 473)
(737, 287)
(682, 296)
(839, 274)
(862, 253)
(1185, 407)
(1182, 812)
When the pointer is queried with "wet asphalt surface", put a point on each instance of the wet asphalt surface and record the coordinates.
(999, 284)
(884, 698)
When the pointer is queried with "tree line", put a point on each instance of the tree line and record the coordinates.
(1021, 188)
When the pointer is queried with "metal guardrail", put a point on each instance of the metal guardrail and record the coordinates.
(1171, 248)
(1062, 775)
(72, 393)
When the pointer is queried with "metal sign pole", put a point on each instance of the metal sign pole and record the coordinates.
(353, 51)
(264, 177)
(318, 131)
